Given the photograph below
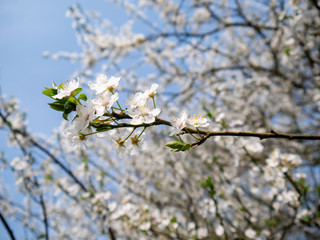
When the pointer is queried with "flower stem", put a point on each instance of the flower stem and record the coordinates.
(120, 108)
(154, 102)
(142, 132)
(191, 134)
(129, 134)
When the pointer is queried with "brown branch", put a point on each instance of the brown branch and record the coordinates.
(262, 136)
(207, 134)
(6, 226)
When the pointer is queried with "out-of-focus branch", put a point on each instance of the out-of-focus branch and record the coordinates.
(6, 226)
(37, 145)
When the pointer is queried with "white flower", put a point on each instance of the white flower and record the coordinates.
(219, 230)
(202, 232)
(103, 84)
(253, 147)
(85, 115)
(145, 226)
(179, 123)
(291, 160)
(135, 144)
(250, 233)
(18, 122)
(75, 137)
(273, 160)
(152, 91)
(118, 143)
(143, 114)
(20, 163)
(105, 101)
(138, 100)
(198, 121)
(67, 89)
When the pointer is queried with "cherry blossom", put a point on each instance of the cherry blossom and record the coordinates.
(152, 91)
(104, 102)
(103, 84)
(85, 114)
(198, 121)
(77, 138)
(137, 100)
(136, 143)
(67, 89)
(118, 142)
(143, 114)
(179, 123)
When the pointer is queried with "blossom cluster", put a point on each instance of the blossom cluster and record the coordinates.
(101, 114)
(180, 123)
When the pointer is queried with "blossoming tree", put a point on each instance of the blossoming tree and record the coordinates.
(196, 120)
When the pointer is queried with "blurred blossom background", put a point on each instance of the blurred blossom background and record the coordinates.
(246, 65)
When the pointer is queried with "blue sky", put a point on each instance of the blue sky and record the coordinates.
(28, 28)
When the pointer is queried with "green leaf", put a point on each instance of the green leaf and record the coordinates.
(65, 115)
(41, 236)
(287, 51)
(67, 111)
(50, 92)
(82, 97)
(102, 129)
(61, 86)
(224, 124)
(305, 219)
(208, 186)
(186, 147)
(215, 159)
(177, 146)
(173, 219)
(76, 91)
(73, 100)
(101, 179)
(71, 103)
(48, 177)
(210, 114)
(57, 106)
(271, 222)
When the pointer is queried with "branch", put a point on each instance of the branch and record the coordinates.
(262, 136)
(60, 164)
(207, 134)
(7, 226)
(43, 149)
(45, 216)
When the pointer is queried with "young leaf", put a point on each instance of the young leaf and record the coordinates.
(208, 186)
(57, 106)
(50, 92)
(178, 146)
(76, 91)
(82, 97)
(65, 115)
(61, 85)
(71, 103)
